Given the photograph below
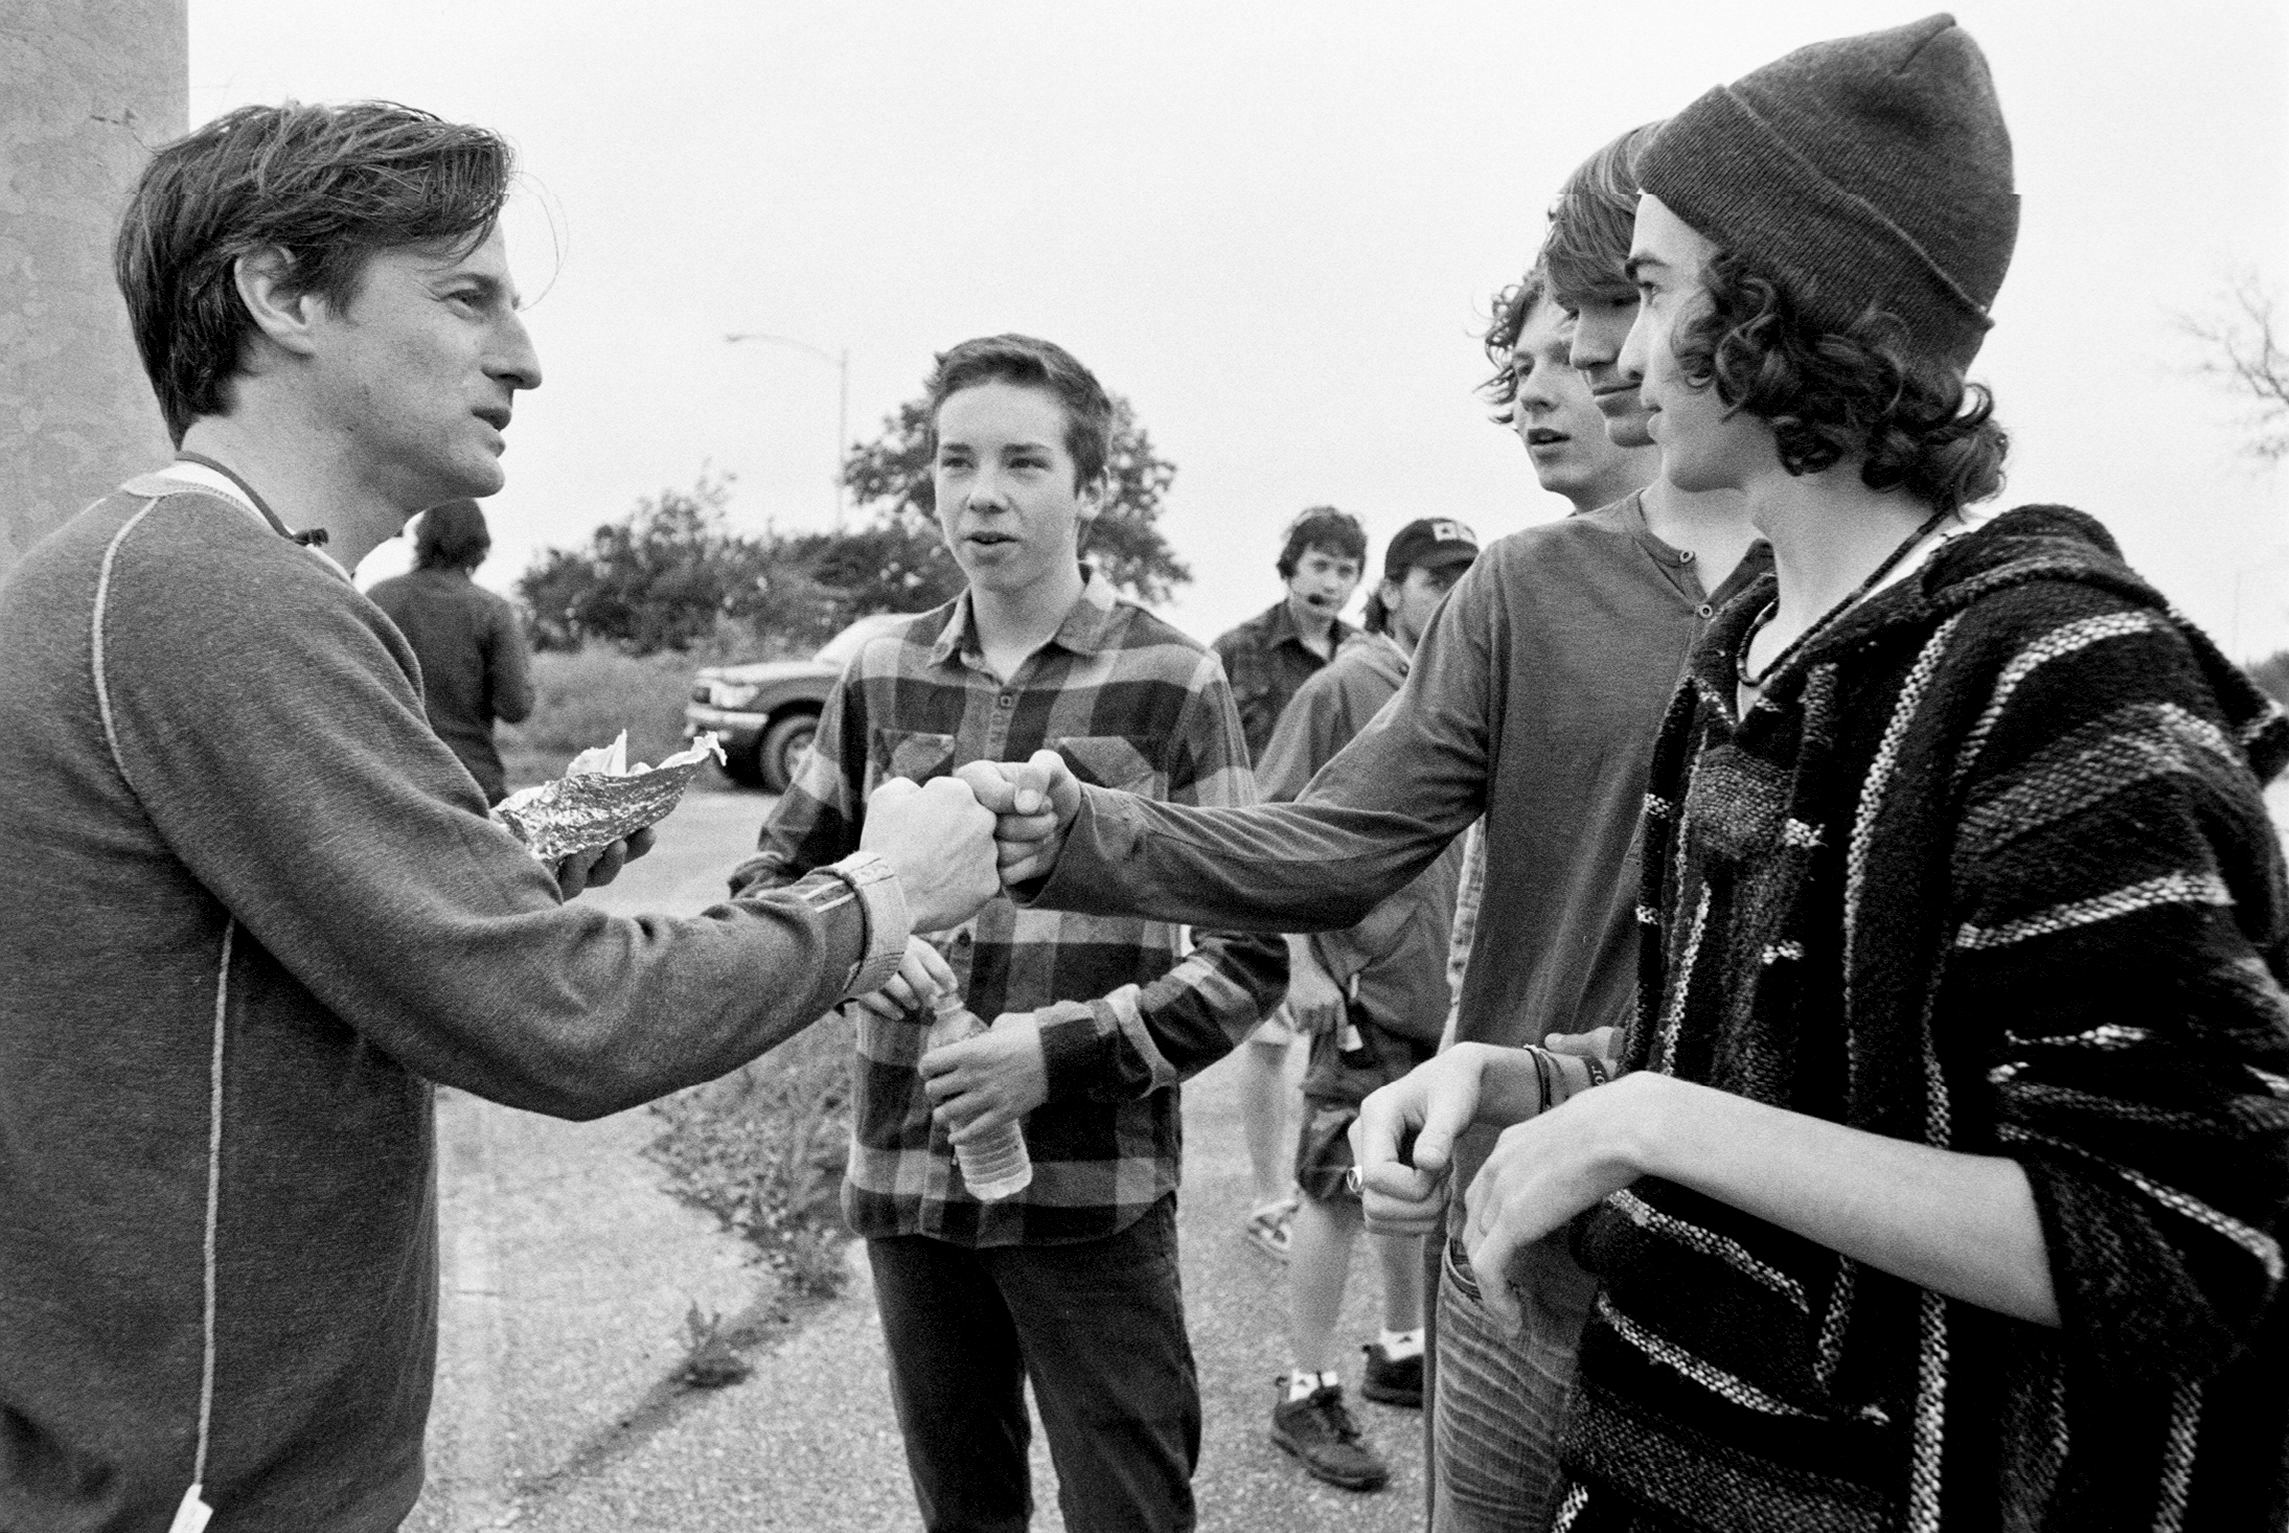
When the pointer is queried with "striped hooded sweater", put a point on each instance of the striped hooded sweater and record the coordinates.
(1987, 869)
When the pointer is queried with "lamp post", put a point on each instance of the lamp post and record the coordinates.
(840, 362)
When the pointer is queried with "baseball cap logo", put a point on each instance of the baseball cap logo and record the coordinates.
(1452, 532)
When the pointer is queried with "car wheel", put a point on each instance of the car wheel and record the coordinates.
(782, 748)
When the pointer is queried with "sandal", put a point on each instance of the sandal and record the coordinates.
(1271, 1227)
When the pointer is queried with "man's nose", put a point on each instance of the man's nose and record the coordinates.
(985, 492)
(515, 361)
(1634, 346)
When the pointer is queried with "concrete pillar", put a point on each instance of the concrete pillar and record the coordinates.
(87, 88)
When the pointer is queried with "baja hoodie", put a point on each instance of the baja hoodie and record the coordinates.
(1986, 867)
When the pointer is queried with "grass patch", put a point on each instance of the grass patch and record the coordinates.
(763, 1150)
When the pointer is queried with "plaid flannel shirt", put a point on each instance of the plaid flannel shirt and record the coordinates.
(1130, 703)
(1266, 661)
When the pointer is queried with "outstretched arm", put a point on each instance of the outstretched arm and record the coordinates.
(1138, 1038)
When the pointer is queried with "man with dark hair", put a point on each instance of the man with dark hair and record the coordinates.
(1266, 659)
(1270, 655)
(1372, 999)
(1070, 1284)
(475, 667)
(1947, 1182)
(253, 907)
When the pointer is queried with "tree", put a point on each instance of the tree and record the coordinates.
(668, 575)
(660, 578)
(2245, 353)
(891, 475)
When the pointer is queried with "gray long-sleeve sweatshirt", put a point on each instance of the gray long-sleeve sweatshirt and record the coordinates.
(250, 909)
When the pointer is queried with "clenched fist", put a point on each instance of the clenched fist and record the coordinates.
(940, 842)
(1034, 802)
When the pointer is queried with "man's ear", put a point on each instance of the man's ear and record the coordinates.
(1091, 494)
(285, 315)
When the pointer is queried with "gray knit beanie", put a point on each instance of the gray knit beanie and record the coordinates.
(1867, 172)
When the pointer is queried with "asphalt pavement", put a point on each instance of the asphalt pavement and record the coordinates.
(569, 1274)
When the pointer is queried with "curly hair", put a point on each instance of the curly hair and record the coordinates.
(1031, 363)
(327, 185)
(1513, 307)
(1915, 424)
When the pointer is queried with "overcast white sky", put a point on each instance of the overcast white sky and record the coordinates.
(1274, 227)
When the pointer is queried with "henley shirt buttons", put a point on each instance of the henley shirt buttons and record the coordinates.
(1707, 611)
(1007, 699)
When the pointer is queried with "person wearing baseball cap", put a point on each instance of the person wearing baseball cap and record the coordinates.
(1944, 1184)
(1373, 999)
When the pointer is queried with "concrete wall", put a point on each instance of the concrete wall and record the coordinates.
(86, 88)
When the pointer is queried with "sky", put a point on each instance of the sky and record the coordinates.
(1274, 227)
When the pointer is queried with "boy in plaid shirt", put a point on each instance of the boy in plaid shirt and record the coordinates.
(1072, 1283)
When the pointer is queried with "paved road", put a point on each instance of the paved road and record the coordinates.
(569, 1274)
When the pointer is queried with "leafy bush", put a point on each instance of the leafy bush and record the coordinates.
(763, 1150)
(662, 577)
(670, 576)
(586, 696)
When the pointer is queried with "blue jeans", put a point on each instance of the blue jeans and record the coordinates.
(1499, 1400)
(1098, 1329)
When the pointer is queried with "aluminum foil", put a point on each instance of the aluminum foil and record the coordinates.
(599, 800)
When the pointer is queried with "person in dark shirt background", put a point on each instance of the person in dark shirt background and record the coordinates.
(474, 664)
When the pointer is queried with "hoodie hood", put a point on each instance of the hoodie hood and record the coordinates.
(2021, 546)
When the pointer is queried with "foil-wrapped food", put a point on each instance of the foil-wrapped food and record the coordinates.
(600, 799)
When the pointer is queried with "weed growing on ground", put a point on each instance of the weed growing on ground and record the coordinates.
(710, 1360)
(763, 1150)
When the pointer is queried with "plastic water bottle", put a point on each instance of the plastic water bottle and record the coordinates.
(994, 1166)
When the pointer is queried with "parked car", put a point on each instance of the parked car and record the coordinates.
(765, 712)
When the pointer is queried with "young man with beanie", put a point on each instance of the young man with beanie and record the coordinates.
(475, 665)
(1069, 1286)
(1946, 1185)
(254, 912)
(1266, 659)
(1372, 999)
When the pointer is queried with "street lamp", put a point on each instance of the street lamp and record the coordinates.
(840, 362)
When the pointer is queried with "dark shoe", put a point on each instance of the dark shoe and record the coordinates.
(1393, 1381)
(1320, 1432)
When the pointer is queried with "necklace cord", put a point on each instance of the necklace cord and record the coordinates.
(1765, 615)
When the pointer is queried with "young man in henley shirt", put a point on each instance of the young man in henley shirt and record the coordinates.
(1533, 700)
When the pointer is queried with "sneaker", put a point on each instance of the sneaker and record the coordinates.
(1272, 1227)
(1320, 1432)
(1393, 1381)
